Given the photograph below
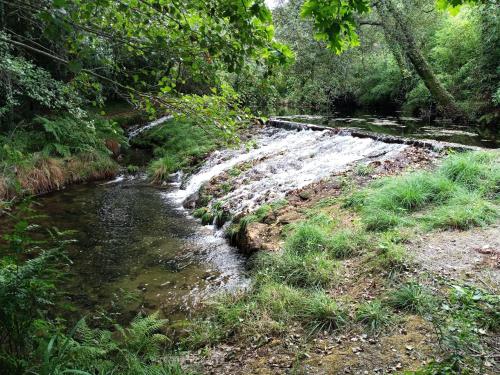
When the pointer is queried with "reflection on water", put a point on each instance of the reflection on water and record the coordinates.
(408, 127)
(137, 250)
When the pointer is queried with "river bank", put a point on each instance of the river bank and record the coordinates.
(345, 276)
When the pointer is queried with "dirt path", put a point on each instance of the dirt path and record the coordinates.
(470, 256)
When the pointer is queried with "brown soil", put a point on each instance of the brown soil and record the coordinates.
(472, 256)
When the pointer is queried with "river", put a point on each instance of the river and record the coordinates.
(137, 249)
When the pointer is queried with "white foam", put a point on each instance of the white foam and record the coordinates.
(284, 161)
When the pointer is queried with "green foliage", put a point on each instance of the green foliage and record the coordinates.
(308, 271)
(132, 350)
(26, 290)
(25, 81)
(374, 315)
(66, 136)
(412, 297)
(334, 21)
(456, 195)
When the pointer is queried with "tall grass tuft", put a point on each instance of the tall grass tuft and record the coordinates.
(307, 238)
(322, 313)
(453, 196)
(412, 297)
(311, 270)
(345, 243)
(374, 315)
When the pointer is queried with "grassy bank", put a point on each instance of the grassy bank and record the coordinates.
(182, 145)
(177, 145)
(57, 151)
(358, 240)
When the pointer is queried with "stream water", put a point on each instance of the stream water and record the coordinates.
(440, 130)
(138, 249)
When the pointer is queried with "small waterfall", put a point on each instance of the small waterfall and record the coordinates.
(139, 129)
(284, 161)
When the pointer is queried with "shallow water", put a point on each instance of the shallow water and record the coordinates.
(407, 127)
(137, 250)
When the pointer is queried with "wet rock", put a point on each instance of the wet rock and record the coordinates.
(305, 195)
(190, 202)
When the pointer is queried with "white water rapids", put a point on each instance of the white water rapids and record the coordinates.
(283, 161)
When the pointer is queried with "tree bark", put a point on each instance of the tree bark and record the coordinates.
(446, 102)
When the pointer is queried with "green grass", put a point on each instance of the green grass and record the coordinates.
(412, 297)
(364, 170)
(307, 238)
(460, 193)
(321, 313)
(374, 315)
(465, 210)
(177, 145)
(309, 271)
(346, 242)
(474, 170)
(391, 257)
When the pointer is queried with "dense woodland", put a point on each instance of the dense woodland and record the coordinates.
(75, 75)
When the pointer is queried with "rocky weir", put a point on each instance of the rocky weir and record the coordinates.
(290, 161)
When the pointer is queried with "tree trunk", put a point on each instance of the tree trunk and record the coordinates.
(405, 39)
